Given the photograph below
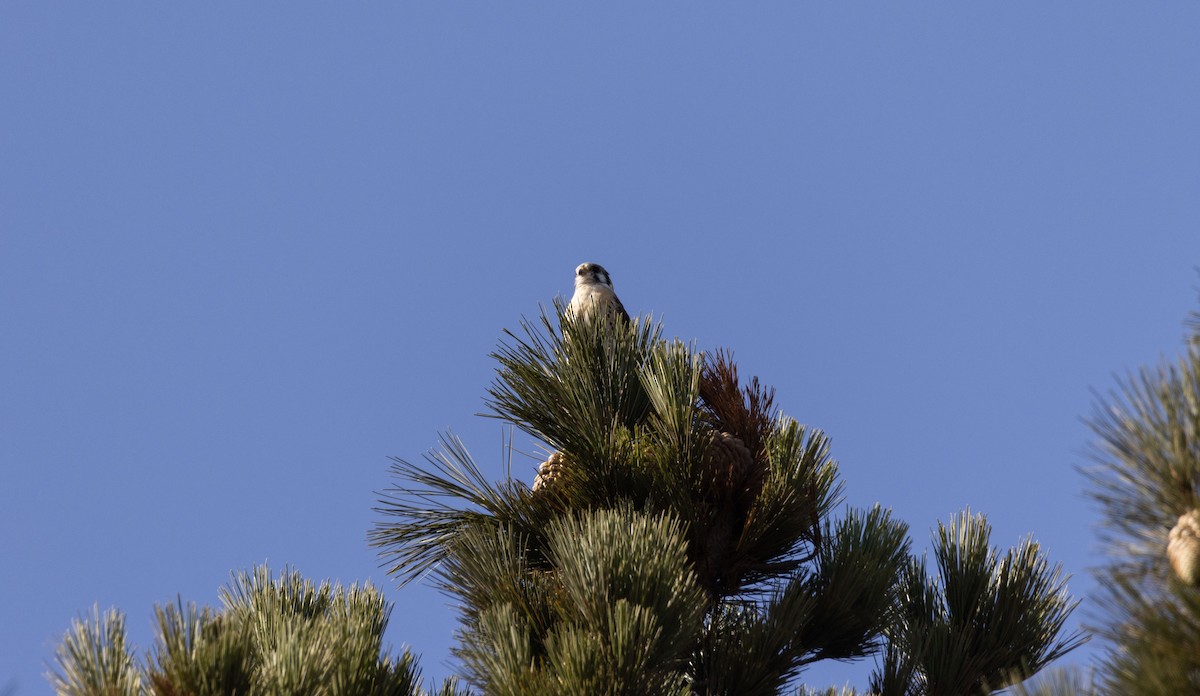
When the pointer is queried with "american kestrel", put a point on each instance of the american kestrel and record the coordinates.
(594, 293)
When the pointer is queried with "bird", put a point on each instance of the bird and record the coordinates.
(594, 293)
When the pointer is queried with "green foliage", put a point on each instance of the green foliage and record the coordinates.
(435, 504)
(606, 559)
(985, 621)
(618, 612)
(570, 389)
(1148, 462)
(682, 540)
(853, 582)
(1147, 474)
(92, 659)
(799, 490)
(630, 606)
(1158, 644)
(835, 610)
(199, 652)
(282, 636)
(309, 638)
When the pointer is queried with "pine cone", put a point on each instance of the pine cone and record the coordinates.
(731, 457)
(1183, 548)
(548, 470)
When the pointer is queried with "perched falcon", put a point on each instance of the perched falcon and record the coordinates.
(594, 293)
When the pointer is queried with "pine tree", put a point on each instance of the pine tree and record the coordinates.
(282, 636)
(1145, 482)
(680, 538)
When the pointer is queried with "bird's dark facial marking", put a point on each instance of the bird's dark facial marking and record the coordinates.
(593, 271)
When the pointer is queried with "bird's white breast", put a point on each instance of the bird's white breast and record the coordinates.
(590, 295)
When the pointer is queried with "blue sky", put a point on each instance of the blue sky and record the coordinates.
(250, 251)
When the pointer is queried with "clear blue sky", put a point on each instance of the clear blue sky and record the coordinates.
(249, 251)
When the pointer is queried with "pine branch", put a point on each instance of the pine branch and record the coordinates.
(984, 622)
(1146, 475)
(853, 585)
(1148, 460)
(498, 654)
(570, 388)
(432, 505)
(273, 637)
(200, 653)
(92, 659)
(1157, 639)
(835, 611)
(752, 648)
(491, 565)
(316, 638)
(747, 413)
(671, 380)
(619, 613)
(603, 557)
(783, 524)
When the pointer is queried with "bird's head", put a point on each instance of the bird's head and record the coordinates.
(592, 274)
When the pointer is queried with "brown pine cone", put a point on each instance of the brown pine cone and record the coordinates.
(548, 470)
(731, 456)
